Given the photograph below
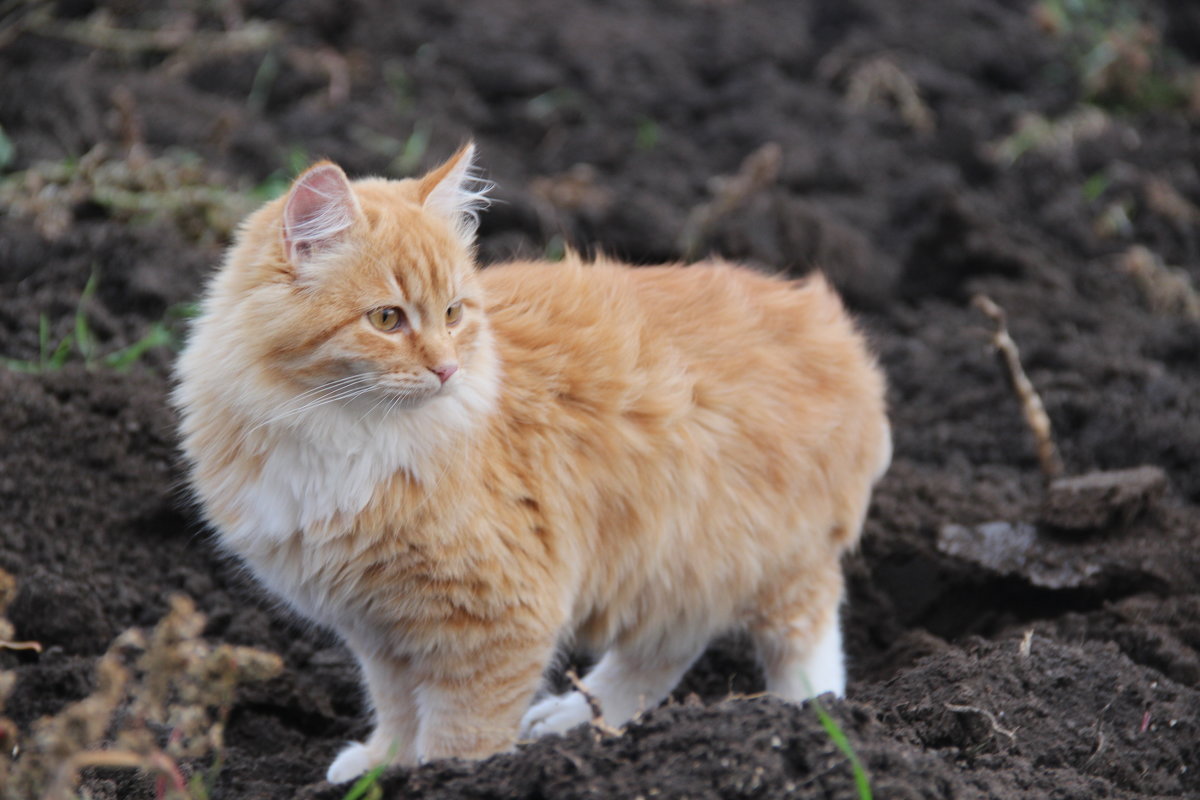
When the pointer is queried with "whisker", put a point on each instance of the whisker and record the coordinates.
(336, 391)
(334, 384)
(345, 393)
(374, 406)
(331, 386)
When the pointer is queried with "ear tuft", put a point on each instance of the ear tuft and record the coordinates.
(320, 207)
(456, 191)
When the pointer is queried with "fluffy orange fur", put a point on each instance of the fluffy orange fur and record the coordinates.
(630, 459)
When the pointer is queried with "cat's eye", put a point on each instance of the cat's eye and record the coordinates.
(454, 313)
(386, 319)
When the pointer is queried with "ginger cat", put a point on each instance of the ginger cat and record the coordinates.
(460, 471)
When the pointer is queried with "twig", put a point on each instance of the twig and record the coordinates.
(758, 171)
(1100, 744)
(575, 760)
(593, 704)
(989, 716)
(881, 79)
(129, 41)
(1031, 403)
(7, 645)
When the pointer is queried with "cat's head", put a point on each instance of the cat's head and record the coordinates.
(367, 285)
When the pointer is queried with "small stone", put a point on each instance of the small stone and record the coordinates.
(1015, 549)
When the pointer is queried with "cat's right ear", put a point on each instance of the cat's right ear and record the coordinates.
(320, 208)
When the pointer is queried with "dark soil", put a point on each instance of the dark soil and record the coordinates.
(604, 125)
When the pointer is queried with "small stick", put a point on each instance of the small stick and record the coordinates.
(593, 704)
(252, 37)
(1100, 743)
(758, 171)
(7, 645)
(989, 716)
(1031, 403)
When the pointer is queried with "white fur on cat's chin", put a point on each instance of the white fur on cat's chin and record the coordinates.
(331, 459)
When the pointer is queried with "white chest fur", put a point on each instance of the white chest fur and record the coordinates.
(316, 474)
(330, 461)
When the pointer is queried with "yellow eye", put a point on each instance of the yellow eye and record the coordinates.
(386, 319)
(454, 313)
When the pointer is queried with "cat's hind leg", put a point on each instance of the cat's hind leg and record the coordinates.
(623, 682)
(802, 655)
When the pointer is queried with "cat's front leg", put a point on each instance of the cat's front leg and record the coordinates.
(472, 709)
(391, 688)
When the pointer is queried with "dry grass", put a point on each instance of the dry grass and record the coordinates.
(173, 187)
(169, 679)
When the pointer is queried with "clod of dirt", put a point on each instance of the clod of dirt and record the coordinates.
(1101, 500)
(1015, 549)
(961, 240)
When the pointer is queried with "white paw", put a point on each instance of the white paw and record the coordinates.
(353, 761)
(557, 714)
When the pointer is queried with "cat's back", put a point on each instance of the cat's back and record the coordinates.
(715, 326)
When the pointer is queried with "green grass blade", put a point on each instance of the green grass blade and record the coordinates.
(61, 353)
(369, 782)
(414, 150)
(368, 785)
(84, 340)
(188, 310)
(126, 357)
(264, 81)
(1094, 186)
(8, 153)
(19, 365)
(43, 339)
(861, 781)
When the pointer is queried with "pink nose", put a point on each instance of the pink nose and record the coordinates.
(445, 371)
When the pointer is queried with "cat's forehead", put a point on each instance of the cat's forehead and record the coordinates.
(418, 255)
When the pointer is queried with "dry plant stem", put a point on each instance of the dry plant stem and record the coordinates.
(593, 704)
(179, 681)
(758, 171)
(1168, 290)
(251, 38)
(989, 716)
(879, 80)
(1031, 402)
(1100, 744)
(64, 782)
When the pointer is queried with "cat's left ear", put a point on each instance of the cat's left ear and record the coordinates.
(456, 192)
(319, 211)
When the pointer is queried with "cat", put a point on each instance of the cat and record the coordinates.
(462, 471)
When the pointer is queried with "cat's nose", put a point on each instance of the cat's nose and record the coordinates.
(444, 371)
